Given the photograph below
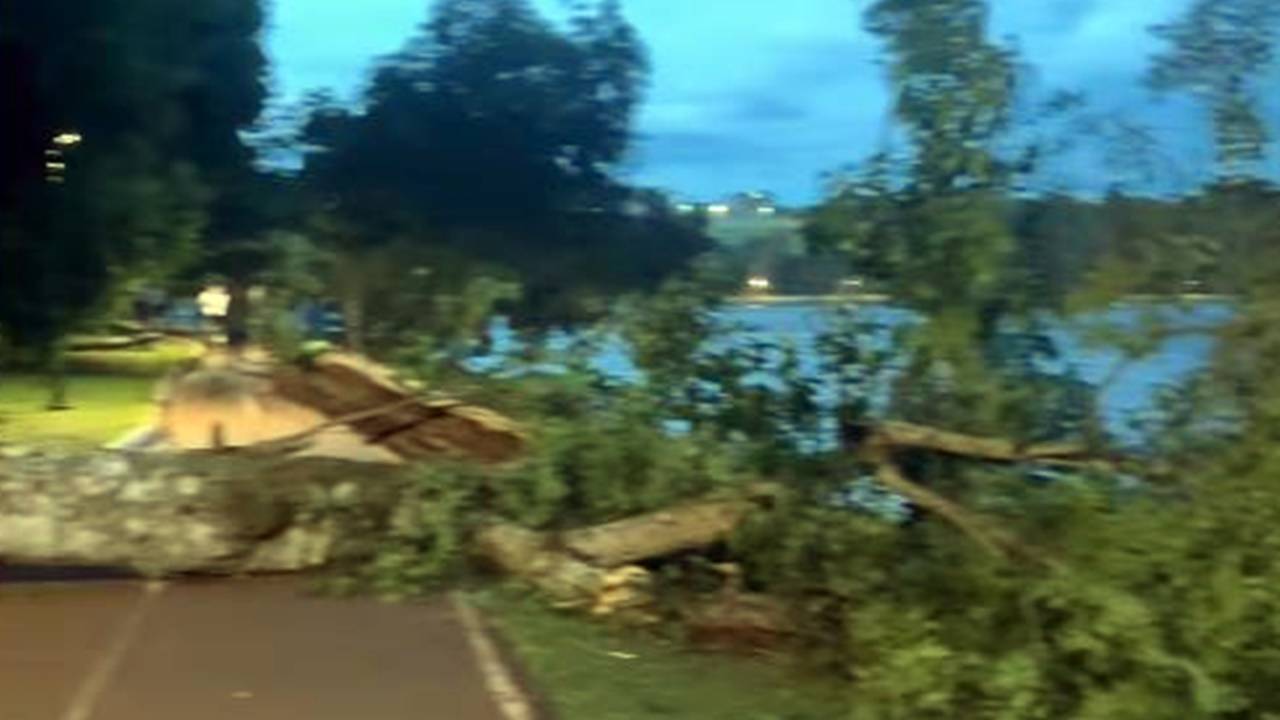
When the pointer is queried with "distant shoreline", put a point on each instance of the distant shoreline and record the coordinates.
(875, 298)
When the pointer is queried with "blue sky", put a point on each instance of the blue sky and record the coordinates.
(761, 94)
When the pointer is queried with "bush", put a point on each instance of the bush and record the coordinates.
(422, 546)
(620, 463)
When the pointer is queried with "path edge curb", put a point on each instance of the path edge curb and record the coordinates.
(501, 679)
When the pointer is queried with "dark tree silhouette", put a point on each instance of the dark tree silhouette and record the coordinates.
(119, 115)
(494, 135)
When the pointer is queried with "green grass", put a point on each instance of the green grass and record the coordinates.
(139, 362)
(104, 408)
(589, 671)
(111, 393)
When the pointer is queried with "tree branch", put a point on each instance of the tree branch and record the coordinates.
(909, 435)
(990, 538)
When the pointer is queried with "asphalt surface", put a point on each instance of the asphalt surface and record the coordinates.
(245, 649)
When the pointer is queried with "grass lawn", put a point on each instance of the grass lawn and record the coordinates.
(149, 361)
(588, 671)
(105, 407)
(111, 392)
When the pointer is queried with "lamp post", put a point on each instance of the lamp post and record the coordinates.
(55, 172)
(55, 156)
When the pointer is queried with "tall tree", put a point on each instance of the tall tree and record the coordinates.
(1218, 51)
(123, 115)
(933, 230)
(94, 184)
(493, 137)
(244, 203)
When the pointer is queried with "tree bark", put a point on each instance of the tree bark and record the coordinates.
(195, 512)
(595, 568)
(230, 513)
(666, 532)
(528, 555)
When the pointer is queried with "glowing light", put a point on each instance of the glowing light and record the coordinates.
(67, 138)
(766, 210)
(213, 301)
(759, 282)
(55, 166)
(684, 208)
(718, 209)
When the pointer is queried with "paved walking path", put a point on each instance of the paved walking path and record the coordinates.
(231, 649)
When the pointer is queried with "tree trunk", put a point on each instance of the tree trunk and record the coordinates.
(194, 512)
(353, 321)
(666, 532)
(351, 273)
(56, 365)
(238, 314)
(231, 513)
(236, 512)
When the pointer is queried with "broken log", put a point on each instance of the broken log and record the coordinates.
(686, 527)
(595, 567)
(527, 554)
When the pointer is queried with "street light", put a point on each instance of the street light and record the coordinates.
(67, 139)
(55, 164)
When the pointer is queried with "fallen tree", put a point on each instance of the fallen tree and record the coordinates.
(187, 513)
(335, 405)
(390, 414)
(234, 512)
(880, 446)
(594, 568)
(245, 510)
(256, 509)
(686, 527)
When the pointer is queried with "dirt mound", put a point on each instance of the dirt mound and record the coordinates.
(336, 406)
(388, 413)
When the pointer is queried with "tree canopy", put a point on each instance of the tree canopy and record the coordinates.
(495, 136)
(119, 115)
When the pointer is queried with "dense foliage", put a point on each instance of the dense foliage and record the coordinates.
(116, 118)
(1148, 593)
(479, 175)
(491, 139)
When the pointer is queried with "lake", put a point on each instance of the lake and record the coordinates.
(1132, 392)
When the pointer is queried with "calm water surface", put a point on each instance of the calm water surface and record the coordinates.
(1133, 391)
